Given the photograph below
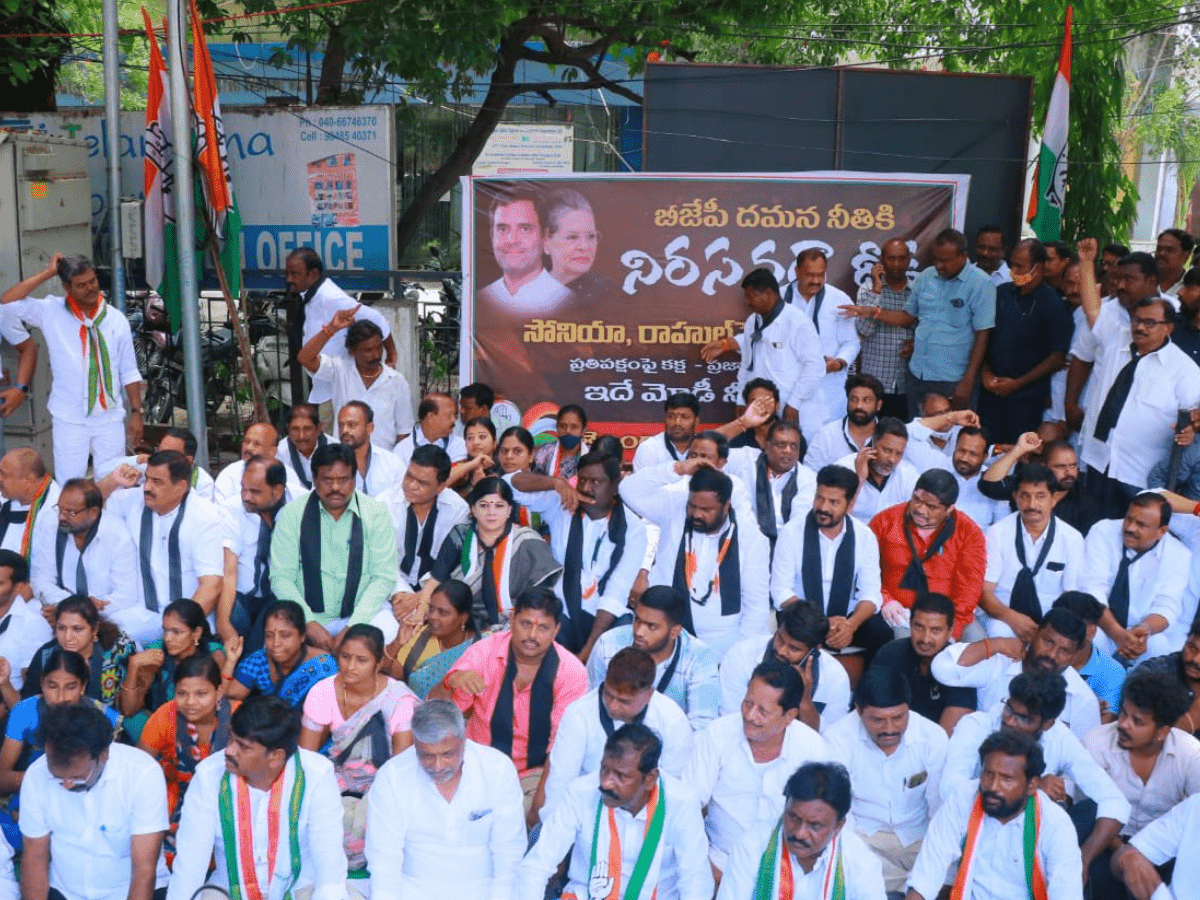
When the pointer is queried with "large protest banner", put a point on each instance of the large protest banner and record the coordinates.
(621, 279)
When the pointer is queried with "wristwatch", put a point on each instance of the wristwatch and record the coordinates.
(135, 410)
(24, 388)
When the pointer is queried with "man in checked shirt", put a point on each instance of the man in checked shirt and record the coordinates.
(886, 347)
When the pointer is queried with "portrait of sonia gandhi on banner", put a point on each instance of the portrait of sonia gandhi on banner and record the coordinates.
(601, 290)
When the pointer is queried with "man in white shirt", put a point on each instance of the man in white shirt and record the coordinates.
(685, 669)
(779, 343)
(260, 439)
(832, 560)
(1173, 836)
(801, 632)
(304, 436)
(1034, 703)
(83, 551)
(626, 695)
(363, 376)
(445, 817)
(654, 818)
(989, 666)
(782, 486)
(970, 453)
(93, 813)
(989, 254)
(30, 495)
(322, 298)
(423, 512)
(232, 798)
(23, 629)
(681, 414)
(91, 361)
(885, 477)
(246, 588)
(852, 432)
(819, 301)
(377, 469)
(809, 846)
(601, 543)
(524, 287)
(713, 556)
(1140, 572)
(436, 416)
(895, 761)
(996, 862)
(178, 539)
(1144, 740)
(1139, 387)
(1032, 558)
(741, 762)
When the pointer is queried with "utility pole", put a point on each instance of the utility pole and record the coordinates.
(185, 226)
(112, 113)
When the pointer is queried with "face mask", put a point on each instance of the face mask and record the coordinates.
(569, 441)
(1023, 280)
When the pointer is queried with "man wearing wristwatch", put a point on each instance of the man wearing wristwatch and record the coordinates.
(91, 361)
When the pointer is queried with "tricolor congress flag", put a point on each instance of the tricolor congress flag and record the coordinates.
(213, 160)
(162, 254)
(1046, 198)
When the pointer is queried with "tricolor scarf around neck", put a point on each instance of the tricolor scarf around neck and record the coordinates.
(1035, 879)
(541, 706)
(98, 368)
(764, 498)
(775, 880)
(35, 508)
(604, 871)
(237, 833)
(310, 558)
(812, 579)
(914, 578)
(727, 580)
(493, 571)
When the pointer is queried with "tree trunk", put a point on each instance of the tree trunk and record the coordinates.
(333, 69)
(501, 90)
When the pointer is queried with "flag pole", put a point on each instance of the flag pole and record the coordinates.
(234, 309)
(112, 115)
(185, 229)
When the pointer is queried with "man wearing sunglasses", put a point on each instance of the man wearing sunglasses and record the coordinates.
(93, 813)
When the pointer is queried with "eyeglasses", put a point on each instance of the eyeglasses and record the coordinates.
(1149, 323)
(80, 785)
(1020, 718)
(70, 513)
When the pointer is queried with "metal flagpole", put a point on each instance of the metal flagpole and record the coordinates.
(112, 115)
(185, 226)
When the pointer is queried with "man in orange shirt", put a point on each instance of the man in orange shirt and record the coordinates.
(926, 546)
(514, 687)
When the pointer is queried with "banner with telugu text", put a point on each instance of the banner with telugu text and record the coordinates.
(601, 289)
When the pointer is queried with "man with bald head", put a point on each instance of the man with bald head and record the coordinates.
(246, 589)
(28, 491)
(883, 345)
(435, 425)
(260, 439)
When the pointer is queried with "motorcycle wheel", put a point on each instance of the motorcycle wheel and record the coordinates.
(159, 403)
